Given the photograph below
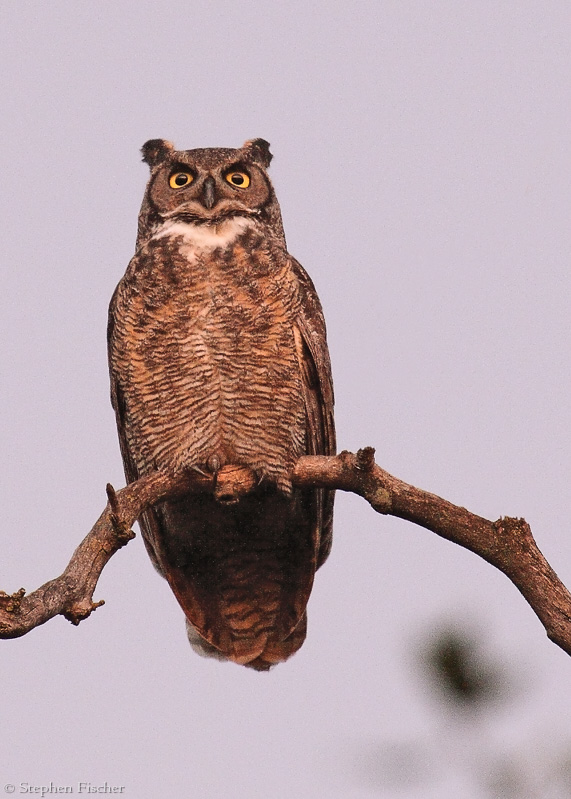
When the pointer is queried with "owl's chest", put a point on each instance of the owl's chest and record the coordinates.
(185, 300)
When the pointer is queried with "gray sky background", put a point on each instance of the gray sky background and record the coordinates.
(422, 162)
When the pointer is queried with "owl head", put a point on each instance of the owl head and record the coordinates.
(206, 186)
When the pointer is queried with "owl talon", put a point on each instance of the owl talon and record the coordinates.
(213, 464)
(232, 483)
(199, 471)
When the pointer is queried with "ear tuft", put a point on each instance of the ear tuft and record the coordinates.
(156, 150)
(258, 150)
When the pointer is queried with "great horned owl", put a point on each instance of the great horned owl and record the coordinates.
(218, 357)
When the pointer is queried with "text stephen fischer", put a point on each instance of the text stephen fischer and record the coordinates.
(81, 787)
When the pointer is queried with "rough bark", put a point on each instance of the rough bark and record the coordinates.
(507, 543)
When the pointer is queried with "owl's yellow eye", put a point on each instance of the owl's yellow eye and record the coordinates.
(239, 179)
(179, 179)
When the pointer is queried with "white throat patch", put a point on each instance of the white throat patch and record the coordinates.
(205, 237)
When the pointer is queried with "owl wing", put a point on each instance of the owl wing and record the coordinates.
(318, 394)
(148, 521)
(117, 400)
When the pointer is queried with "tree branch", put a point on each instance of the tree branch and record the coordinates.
(507, 543)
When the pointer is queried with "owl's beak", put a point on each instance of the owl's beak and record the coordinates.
(208, 194)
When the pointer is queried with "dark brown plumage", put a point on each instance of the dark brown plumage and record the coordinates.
(218, 357)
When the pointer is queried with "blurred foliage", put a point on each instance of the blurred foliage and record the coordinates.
(465, 747)
(459, 669)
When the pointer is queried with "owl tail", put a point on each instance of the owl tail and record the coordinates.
(273, 652)
(242, 573)
(278, 651)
